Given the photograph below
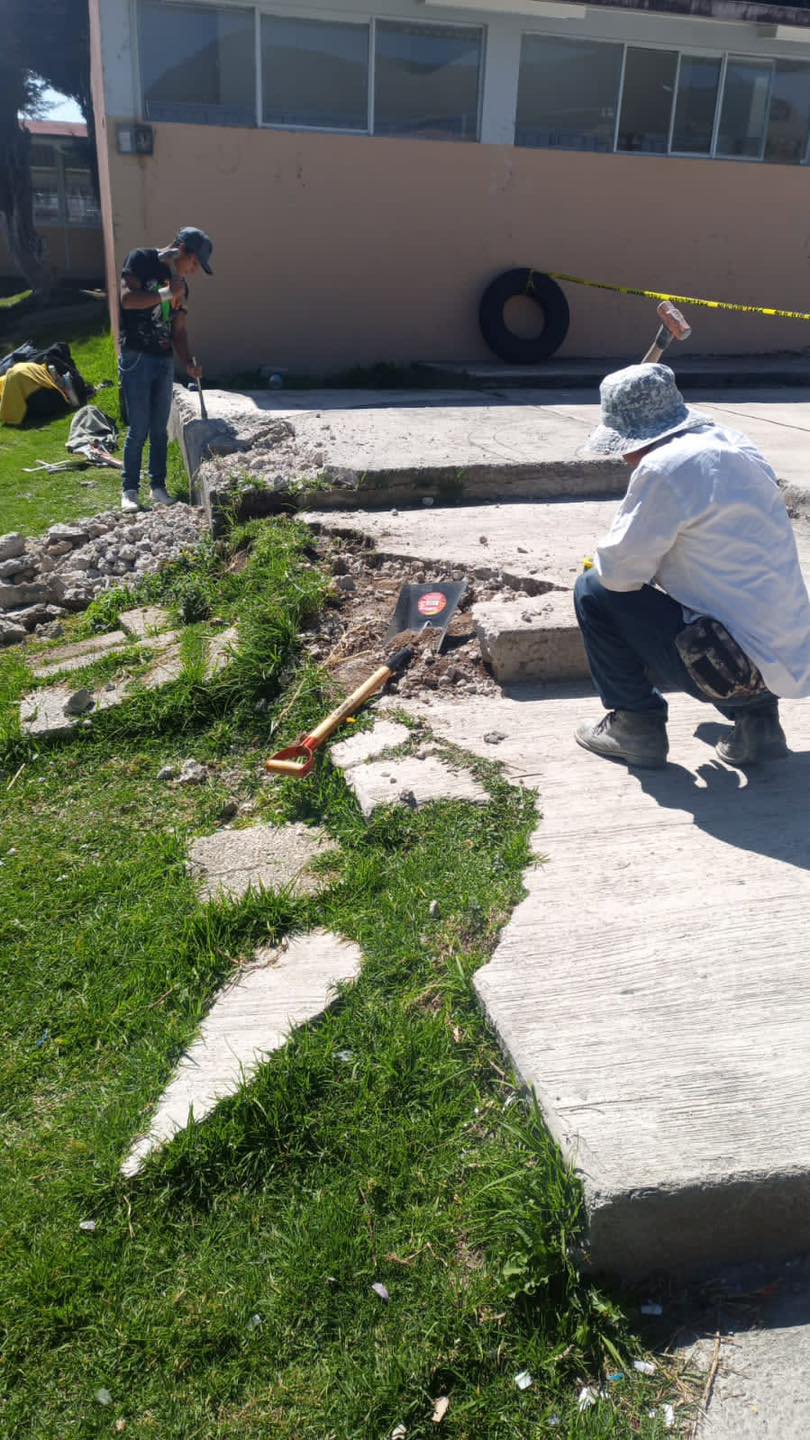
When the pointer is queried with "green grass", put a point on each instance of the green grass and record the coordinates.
(382, 1144)
(8, 302)
(31, 503)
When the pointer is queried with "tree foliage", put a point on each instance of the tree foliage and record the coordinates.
(46, 44)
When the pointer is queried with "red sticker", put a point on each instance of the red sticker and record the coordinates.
(431, 604)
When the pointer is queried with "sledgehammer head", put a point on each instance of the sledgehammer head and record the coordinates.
(673, 321)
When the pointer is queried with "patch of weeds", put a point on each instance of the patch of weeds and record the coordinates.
(228, 1289)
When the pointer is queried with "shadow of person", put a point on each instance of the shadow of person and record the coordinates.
(762, 809)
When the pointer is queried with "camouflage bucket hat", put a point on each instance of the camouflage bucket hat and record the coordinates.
(640, 405)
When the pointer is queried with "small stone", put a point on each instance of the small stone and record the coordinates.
(339, 566)
(9, 569)
(434, 910)
(521, 550)
(427, 501)
(483, 540)
(192, 773)
(88, 1226)
(11, 546)
(167, 772)
(11, 633)
(494, 737)
(78, 702)
(73, 534)
(346, 584)
(406, 797)
(228, 811)
(394, 512)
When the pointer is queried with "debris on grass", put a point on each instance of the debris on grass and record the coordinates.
(103, 1396)
(88, 1226)
(644, 1367)
(523, 1380)
(587, 1397)
(379, 1289)
(440, 1408)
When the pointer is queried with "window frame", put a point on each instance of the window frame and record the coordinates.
(450, 24)
(683, 51)
(275, 12)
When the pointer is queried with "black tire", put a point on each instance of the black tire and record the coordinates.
(547, 295)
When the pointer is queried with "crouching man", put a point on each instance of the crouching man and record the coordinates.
(697, 585)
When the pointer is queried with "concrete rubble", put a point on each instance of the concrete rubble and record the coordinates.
(250, 1018)
(44, 579)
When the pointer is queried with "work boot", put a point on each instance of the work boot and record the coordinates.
(130, 502)
(161, 496)
(757, 736)
(637, 737)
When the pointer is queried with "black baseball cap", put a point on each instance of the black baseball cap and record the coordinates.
(196, 243)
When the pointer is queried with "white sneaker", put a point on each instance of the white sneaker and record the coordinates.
(130, 502)
(161, 496)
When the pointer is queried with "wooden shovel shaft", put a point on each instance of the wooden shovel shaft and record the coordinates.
(353, 702)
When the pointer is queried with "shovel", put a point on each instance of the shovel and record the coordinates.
(297, 760)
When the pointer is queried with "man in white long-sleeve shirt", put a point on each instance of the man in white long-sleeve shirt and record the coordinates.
(697, 585)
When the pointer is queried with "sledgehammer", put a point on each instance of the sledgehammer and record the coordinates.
(673, 327)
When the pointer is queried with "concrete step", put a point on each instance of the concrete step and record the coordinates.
(722, 372)
(652, 989)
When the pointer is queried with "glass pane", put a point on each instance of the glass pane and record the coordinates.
(568, 93)
(315, 73)
(647, 96)
(426, 81)
(45, 188)
(696, 104)
(745, 104)
(197, 64)
(41, 154)
(82, 206)
(786, 141)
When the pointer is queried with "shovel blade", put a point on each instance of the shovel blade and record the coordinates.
(419, 606)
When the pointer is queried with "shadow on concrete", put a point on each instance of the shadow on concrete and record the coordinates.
(761, 810)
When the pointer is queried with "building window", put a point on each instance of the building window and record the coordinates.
(647, 96)
(427, 80)
(744, 114)
(570, 92)
(197, 64)
(789, 116)
(696, 104)
(567, 93)
(62, 184)
(314, 73)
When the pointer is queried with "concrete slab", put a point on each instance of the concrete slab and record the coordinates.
(761, 1350)
(720, 371)
(261, 857)
(42, 712)
(76, 656)
(383, 735)
(221, 651)
(653, 986)
(531, 638)
(399, 448)
(145, 620)
(385, 782)
(248, 1020)
(537, 547)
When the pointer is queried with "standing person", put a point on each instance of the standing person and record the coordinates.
(697, 585)
(154, 291)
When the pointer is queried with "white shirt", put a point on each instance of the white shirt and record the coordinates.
(704, 519)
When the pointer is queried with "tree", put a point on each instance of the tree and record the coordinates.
(46, 44)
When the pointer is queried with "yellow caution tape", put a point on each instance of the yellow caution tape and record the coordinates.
(678, 299)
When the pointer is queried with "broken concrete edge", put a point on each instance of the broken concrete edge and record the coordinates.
(384, 489)
(510, 579)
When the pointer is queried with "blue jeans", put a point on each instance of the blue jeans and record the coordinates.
(629, 639)
(146, 385)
